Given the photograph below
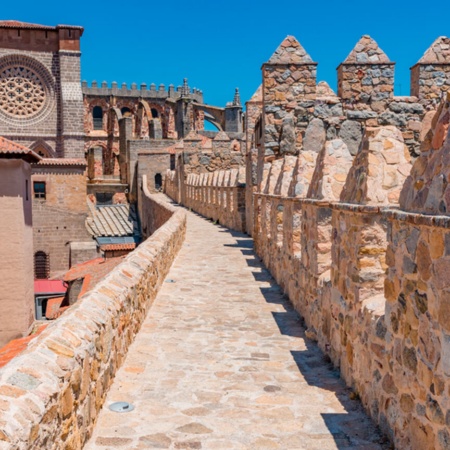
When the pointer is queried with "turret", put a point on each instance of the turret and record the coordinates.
(233, 114)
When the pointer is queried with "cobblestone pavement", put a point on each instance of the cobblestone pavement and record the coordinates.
(222, 362)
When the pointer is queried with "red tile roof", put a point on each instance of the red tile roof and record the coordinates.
(92, 271)
(32, 26)
(53, 307)
(49, 287)
(10, 149)
(17, 346)
(113, 247)
(62, 162)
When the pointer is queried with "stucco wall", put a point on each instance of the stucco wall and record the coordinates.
(16, 250)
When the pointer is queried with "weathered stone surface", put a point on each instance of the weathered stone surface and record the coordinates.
(379, 169)
(314, 136)
(287, 142)
(351, 133)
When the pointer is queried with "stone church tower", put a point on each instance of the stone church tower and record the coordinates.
(41, 102)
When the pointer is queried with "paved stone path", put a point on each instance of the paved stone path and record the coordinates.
(222, 362)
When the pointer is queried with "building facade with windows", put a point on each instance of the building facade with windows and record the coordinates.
(41, 102)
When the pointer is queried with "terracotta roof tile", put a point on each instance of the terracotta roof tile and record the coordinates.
(113, 247)
(10, 149)
(53, 307)
(18, 24)
(33, 26)
(17, 346)
(92, 271)
(62, 162)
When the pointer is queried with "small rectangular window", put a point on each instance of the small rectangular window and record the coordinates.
(26, 190)
(39, 189)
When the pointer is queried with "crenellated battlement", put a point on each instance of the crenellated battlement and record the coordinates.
(143, 91)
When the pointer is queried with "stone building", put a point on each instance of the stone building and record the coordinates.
(41, 102)
(119, 134)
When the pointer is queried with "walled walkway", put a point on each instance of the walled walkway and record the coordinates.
(222, 362)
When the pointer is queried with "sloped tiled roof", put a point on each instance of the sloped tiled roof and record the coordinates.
(112, 220)
(17, 346)
(118, 247)
(18, 24)
(367, 51)
(97, 267)
(439, 52)
(10, 149)
(32, 26)
(290, 51)
(62, 162)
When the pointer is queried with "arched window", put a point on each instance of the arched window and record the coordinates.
(126, 112)
(41, 265)
(158, 181)
(97, 117)
(155, 114)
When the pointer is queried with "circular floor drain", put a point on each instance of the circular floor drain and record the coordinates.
(169, 280)
(121, 407)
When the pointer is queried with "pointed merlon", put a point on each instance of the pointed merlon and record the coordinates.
(290, 51)
(324, 90)
(222, 137)
(439, 52)
(257, 96)
(193, 136)
(367, 51)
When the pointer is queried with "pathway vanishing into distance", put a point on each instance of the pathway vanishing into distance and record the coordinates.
(222, 362)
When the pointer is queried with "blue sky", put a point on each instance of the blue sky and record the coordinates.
(219, 45)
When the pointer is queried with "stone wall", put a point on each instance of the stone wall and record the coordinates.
(50, 395)
(363, 257)
(210, 178)
(219, 196)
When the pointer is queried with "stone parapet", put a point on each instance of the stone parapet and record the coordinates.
(221, 198)
(50, 394)
(369, 276)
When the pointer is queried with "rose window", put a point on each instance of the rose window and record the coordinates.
(22, 92)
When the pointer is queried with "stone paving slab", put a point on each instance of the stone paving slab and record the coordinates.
(222, 362)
